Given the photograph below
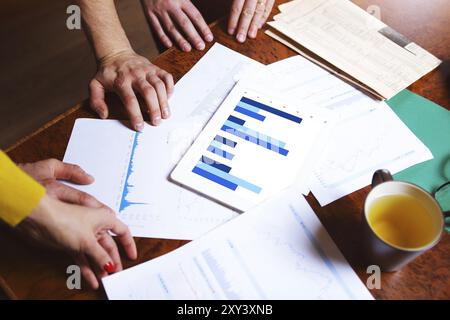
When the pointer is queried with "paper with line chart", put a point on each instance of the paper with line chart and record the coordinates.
(382, 141)
(131, 170)
(294, 258)
(253, 147)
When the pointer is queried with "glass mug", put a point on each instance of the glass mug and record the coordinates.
(401, 221)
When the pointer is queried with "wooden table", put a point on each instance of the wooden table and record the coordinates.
(32, 273)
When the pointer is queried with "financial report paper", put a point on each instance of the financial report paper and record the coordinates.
(352, 40)
(131, 169)
(277, 250)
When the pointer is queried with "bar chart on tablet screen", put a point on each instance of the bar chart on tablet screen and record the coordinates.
(252, 147)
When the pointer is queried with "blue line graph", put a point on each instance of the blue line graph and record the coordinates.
(220, 273)
(321, 253)
(127, 186)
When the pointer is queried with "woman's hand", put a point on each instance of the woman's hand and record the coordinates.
(247, 17)
(127, 73)
(83, 233)
(178, 21)
(75, 222)
(49, 172)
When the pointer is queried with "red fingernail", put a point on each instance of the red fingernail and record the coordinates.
(109, 267)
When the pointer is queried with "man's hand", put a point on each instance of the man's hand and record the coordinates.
(127, 73)
(178, 21)
(247, 17)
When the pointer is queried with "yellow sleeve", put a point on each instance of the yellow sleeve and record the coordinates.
(19, 193)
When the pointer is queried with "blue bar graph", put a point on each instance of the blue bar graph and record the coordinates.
(225, 141)
(215, 164)
(214, 178)
(250, 113)
(248, 107)
(255, 140)
(236, 120)
(240, 127)
(259, 105)
(226, 176)
(220, 152)
(216, 144)
(256, 134)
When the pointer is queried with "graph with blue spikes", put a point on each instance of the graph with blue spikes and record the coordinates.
(251, 148)
(125, 202)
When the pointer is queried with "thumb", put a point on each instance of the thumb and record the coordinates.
(72, 173)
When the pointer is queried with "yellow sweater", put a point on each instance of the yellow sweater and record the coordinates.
(19, 193)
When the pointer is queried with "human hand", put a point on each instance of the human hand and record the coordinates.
(247, 17)
(83, 233)
(127, 73)
(178, 21)
(48, 172)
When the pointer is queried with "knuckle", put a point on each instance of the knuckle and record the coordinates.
(83, 197)
(130, 99)
(120, 82)
(172, 29)
(158, 83)
(148, 90)
(235, 10)
(52, 162)
(185, 22)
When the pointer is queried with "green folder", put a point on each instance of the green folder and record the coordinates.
(431, 124)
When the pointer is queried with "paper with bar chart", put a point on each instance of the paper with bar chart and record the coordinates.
(254, 146)
(294, 258)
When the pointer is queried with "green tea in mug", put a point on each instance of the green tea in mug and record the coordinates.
(402, 221)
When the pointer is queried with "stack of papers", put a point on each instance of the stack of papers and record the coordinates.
(348, 41)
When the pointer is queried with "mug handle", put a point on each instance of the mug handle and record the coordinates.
(380, 176)
(446, 213)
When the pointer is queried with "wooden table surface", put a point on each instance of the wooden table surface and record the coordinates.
(38, 274)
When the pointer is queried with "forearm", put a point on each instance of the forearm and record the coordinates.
(19, 193)
(103, 27)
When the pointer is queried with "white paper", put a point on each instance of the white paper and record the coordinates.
(278, 250)
(159, 209)
(267, 144)
(364, 134)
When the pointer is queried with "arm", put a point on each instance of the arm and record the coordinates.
(120, 69)
(19, 193)
(103, 28)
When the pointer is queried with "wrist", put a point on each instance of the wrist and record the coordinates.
(114, 54)
(43, 213)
